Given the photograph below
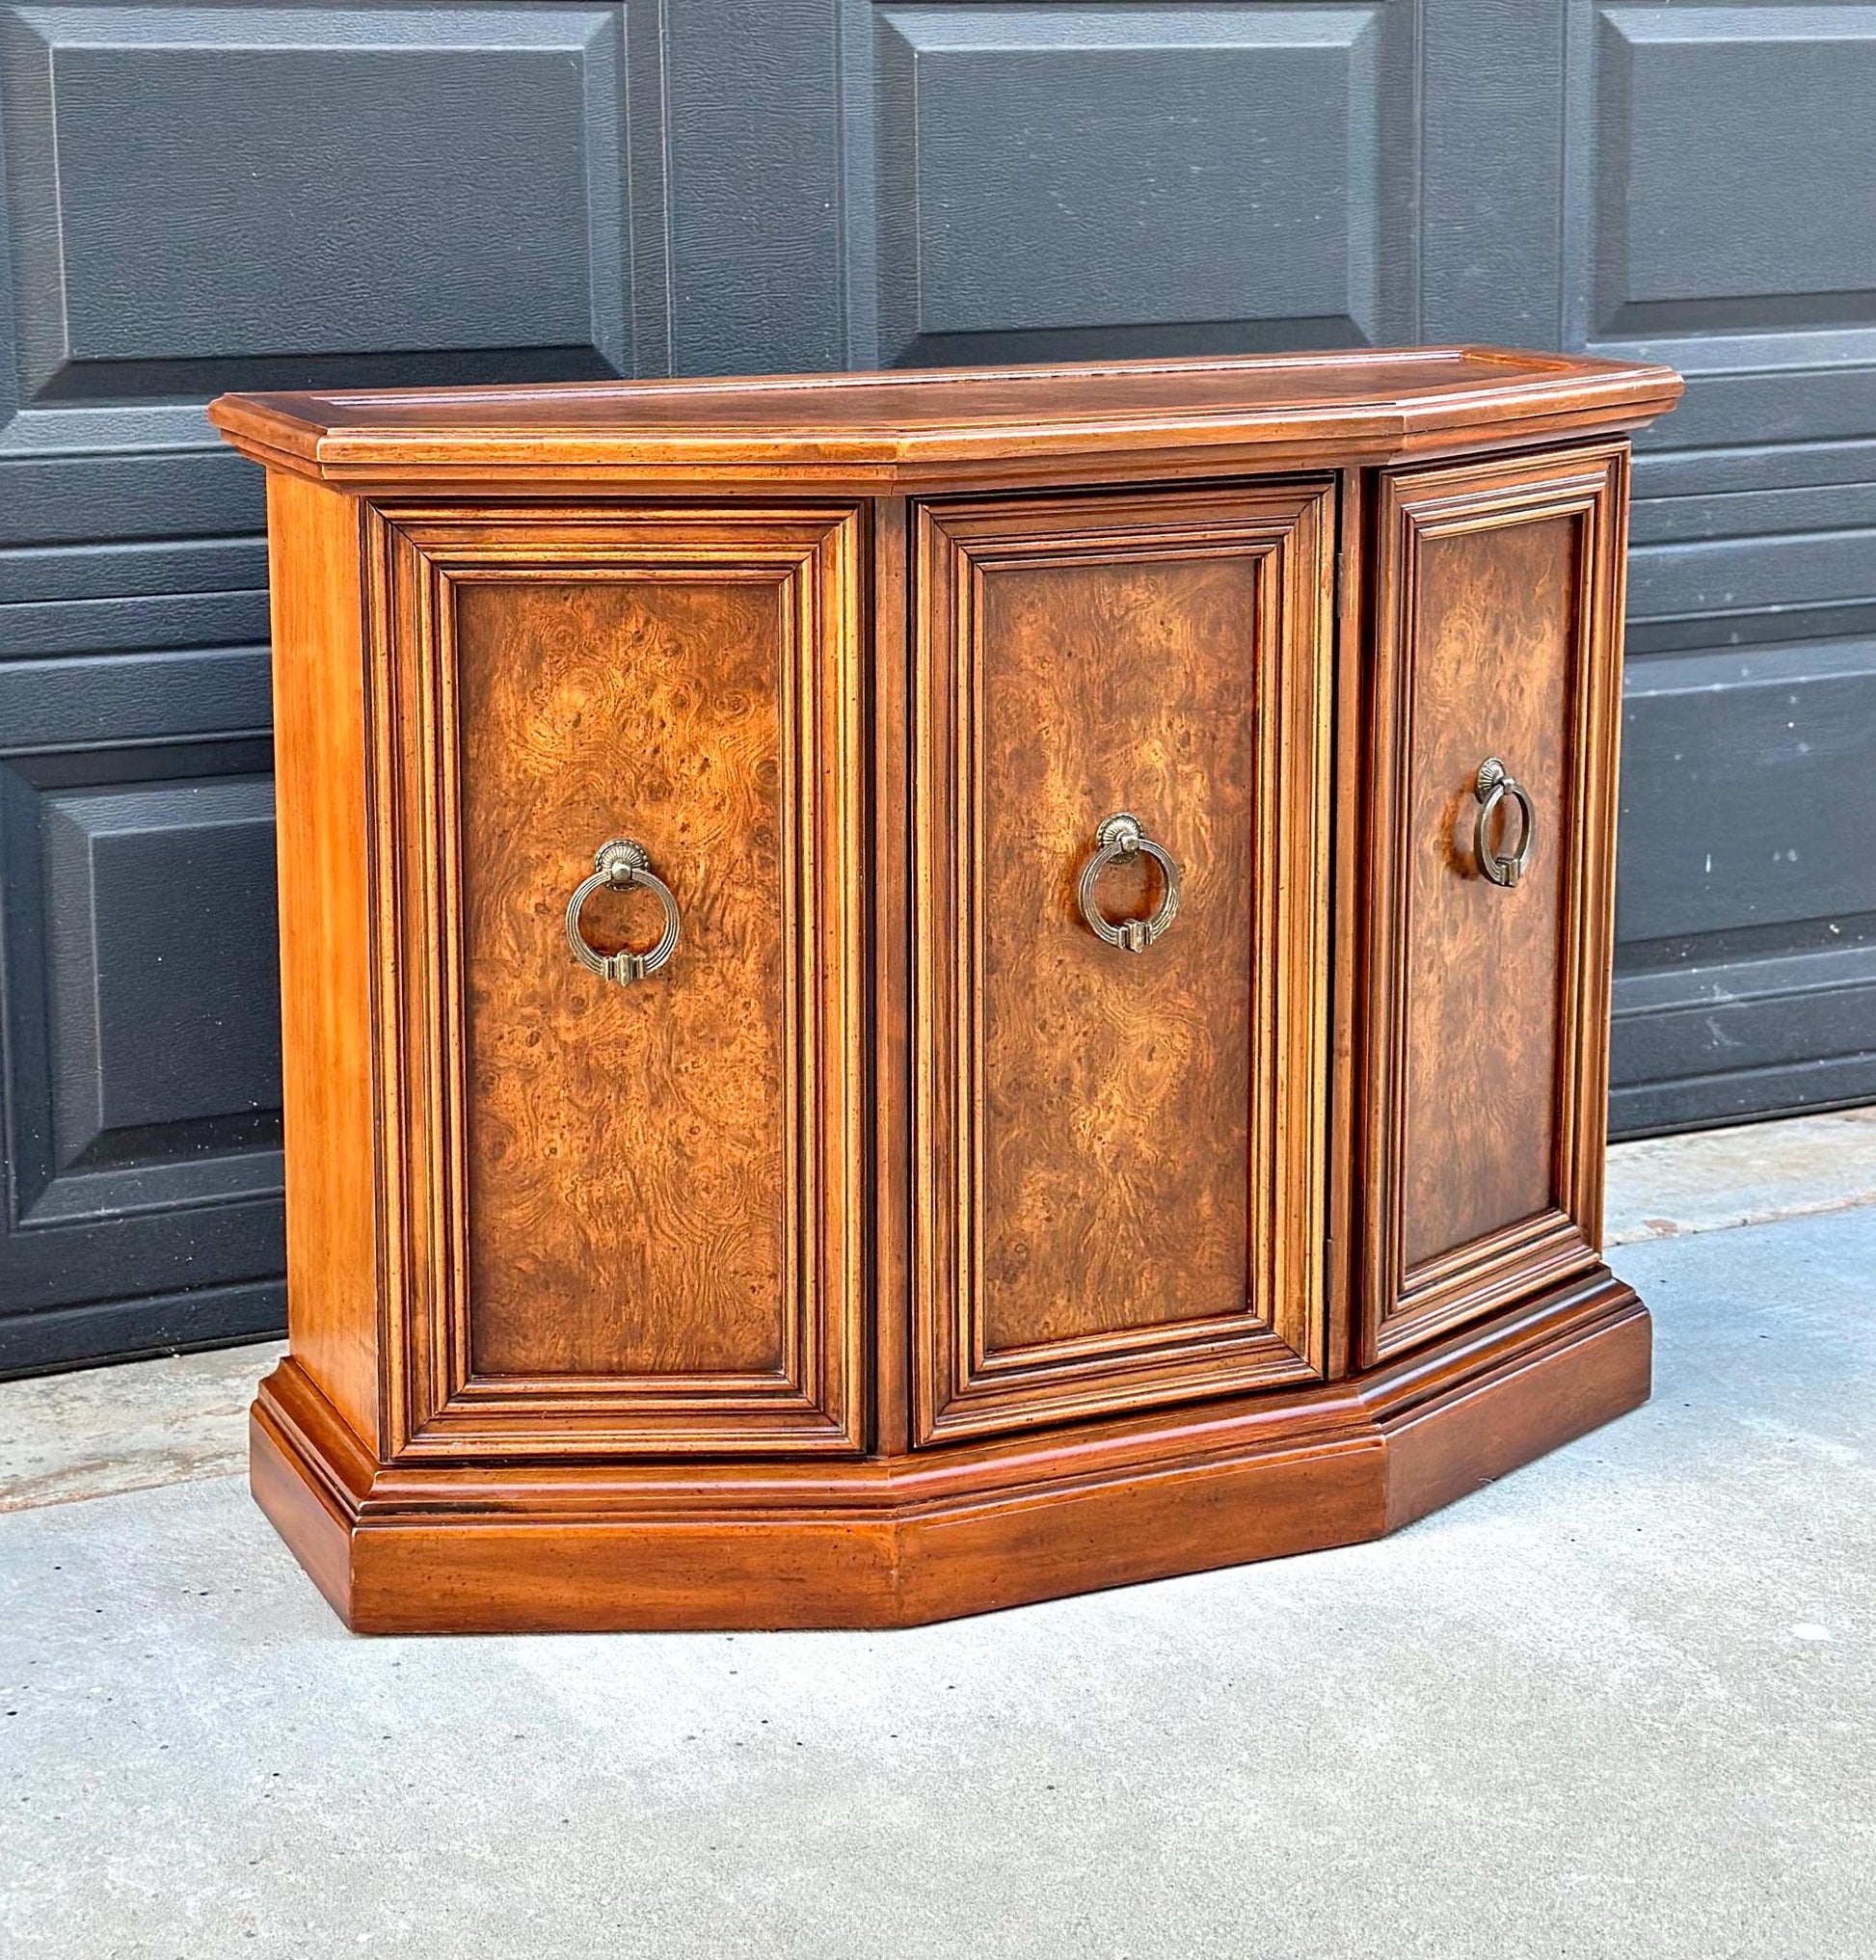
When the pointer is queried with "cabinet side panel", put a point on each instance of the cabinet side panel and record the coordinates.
(321, 769)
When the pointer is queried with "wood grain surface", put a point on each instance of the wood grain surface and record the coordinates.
(326, 940)
(951, 428)
(1499, 589)
(628, 1179)
(519, 1547)
(1119, 1199)
(1494, 637)
(1116, 1176)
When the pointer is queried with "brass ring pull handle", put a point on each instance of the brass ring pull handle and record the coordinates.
(1119, 837)
(1493, 785)
(617, 864)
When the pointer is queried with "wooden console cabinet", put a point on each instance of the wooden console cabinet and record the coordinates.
(905, 993)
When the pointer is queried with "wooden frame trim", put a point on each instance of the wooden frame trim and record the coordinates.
(530, 1546)
(752, 436)
(1401, 1307)
(959, 1387)
(437, 1409)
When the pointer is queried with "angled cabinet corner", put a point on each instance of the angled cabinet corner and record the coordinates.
(621, 1187)
(1495, 698)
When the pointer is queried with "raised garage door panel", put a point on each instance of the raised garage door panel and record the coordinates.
(1186, 179)
(1724, 179)
(206, 198)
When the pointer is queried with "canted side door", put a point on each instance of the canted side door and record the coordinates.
(618, 807)
(1120, 921)
(1497, 689)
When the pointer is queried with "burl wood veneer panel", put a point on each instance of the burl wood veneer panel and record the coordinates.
(1104, 1203)
(628, 1147)
(1493, 648)
(1499, 637)
(1126, 685)
(647, 1198)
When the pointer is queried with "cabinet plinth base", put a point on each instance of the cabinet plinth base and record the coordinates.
(896, 1542)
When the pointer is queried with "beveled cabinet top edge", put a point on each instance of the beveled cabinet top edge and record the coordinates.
(908, 427)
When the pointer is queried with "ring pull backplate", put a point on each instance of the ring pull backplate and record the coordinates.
(1493, 785)
(618, 865)
(1121, 837)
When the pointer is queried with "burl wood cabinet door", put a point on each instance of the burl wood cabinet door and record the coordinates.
(624, 1217)
(1118, 1169)
(1498, 651)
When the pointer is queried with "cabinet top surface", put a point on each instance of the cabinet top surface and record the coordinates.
(884, 426)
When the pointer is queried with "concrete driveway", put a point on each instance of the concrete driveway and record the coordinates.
(1621, 1703)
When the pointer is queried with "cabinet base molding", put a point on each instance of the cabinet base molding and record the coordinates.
(969, 1528)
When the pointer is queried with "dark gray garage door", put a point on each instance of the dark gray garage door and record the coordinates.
(201, 198)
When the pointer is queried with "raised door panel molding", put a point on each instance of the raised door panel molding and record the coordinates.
(548, 681)
(1118, 1156)
(1061, 179)
(1498, 634)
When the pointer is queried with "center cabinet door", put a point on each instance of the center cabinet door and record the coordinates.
(1118, 1185)
(625, 1217)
